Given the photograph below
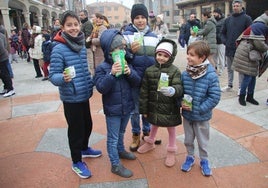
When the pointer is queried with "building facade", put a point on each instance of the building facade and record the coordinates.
(174, 10)
(33, 12)
(115, 12)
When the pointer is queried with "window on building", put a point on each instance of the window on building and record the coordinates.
(108, 8)
(115, 8)
(167, 13)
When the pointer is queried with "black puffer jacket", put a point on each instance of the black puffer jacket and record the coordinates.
(161, 110)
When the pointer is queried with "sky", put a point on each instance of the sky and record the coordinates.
(128, 3)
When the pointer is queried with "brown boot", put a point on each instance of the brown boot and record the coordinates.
(135, 142)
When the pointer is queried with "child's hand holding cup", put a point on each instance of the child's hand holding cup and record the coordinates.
(187, 102)
(69, 73)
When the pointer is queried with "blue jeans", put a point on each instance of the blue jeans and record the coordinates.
(116, 127)
(135, 115)
(248, 85)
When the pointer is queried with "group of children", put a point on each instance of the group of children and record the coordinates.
(161, 86)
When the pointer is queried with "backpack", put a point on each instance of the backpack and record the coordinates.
(47, 49)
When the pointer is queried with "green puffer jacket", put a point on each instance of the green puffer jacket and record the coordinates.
(161, 110)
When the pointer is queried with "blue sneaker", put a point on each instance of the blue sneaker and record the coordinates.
(91, 153)
(206, 171)
(187, 165)
(81, 169)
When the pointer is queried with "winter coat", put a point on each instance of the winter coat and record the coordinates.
(189, 25)
(98, 53)
(25, 35)
(205, 92)
(233, 26)
(219, 25)
(253, 38)
(116, 91)
(209, 34)
(81, 87)
(3, 48)
(161, 29)
(36, 51)
(161, 110)
(144, 57)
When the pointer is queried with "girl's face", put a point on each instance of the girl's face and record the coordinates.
(71, 26)
(193, 59)
(162, 57)
(99, 21)
(140, 22)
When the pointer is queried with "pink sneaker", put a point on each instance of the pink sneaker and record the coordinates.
(147, 146)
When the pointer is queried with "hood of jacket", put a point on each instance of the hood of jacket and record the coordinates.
(106, 40)
(262, 18)
(38, 29)
(59, 38)
(174, 52)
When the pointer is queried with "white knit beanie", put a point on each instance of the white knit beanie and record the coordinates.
(161, 16)
(165, 47)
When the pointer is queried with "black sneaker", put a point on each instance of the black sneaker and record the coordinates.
(120, 170)
(127, 155)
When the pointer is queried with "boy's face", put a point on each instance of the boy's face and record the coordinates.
(193, 59)
(162, 57)
(71, 26)
(140, 22)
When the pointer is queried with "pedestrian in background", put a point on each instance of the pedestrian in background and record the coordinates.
(208, 33)
(193, 21)
(8, 89)
(69, 71)
(202, 92)
(252, 44)
(220, 53)
(160, 27)
(35, 50)
(46, 49)
(230, 32)
(182, 33)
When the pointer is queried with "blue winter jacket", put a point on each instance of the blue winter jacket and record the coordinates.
(116, 91)
(206, 94)
(81, 87)
(145, 56)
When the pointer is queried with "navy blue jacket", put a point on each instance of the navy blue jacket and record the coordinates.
(232, 28)
(116, 91)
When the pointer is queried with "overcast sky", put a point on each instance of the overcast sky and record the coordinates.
(128, 3)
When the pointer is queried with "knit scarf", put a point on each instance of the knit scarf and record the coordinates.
(143, 32)
(197, 71)
(75, 43)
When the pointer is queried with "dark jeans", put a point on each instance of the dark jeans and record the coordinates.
(182, 41)
(79, 121)
(248, 85)
(37, 68)
(5, 76)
